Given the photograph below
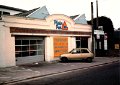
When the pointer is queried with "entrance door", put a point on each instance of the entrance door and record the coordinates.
(29, 49)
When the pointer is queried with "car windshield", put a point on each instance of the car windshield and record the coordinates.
(73, 50)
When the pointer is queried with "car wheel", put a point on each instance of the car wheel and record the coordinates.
(64, 59)
(89, 60)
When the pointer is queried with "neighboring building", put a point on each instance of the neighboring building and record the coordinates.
(100, 42)
(117, 42)
(117, 36)
(6, 10)
(103, 34)
(26, 40)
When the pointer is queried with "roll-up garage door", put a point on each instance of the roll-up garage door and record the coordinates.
(29, 49)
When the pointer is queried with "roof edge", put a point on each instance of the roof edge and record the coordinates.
(12, 8)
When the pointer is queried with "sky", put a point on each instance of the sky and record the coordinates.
(108, 8)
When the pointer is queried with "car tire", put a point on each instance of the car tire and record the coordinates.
(89, 60)
(64, 59)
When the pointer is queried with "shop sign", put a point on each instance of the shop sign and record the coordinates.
(60, 25)
(60, 46)
(117, 46)
(100, 32)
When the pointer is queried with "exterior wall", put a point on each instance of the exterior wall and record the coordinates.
(71, 43)
(7, 36)
(7, 46)
(90, 44)
(49, 48)
(70, 23)
(21, 22)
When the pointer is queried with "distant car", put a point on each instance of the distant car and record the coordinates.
(77, 54)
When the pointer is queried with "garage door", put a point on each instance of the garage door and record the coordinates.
(29, 49)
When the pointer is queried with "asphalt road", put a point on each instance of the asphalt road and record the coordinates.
(103, 75)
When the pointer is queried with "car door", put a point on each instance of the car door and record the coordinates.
(75, 54)
(85, 53)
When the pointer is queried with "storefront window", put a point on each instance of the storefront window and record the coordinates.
(24, 48)
(81, 42)
(24, 54)
(84, 42)
(25, 42)
(33, 47)
(18, 42)
(33, 42)
(32, 53)
(78, 42)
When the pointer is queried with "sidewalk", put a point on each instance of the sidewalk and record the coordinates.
(29, 71)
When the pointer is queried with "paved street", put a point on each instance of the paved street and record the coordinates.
(104, 75)
(42, 70)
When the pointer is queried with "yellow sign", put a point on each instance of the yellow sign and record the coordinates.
(60, 46)
(117, 46)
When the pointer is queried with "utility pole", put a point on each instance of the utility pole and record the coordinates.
(97, 22)
(92, 28)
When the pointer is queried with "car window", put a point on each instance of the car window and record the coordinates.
(78, 51)
(75, 51)
(84, 51)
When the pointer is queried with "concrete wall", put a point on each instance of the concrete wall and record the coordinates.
(7, 47)
(71, 43)
(49, 55)
(90, 43)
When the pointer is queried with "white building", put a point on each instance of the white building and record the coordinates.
(27, 40)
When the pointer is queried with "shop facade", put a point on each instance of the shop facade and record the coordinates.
(28, 40)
